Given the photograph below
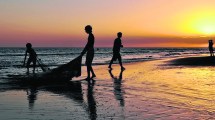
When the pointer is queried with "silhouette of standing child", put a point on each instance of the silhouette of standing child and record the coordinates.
(116, 51)
(32, 57)
(89, 48)
(210, 46)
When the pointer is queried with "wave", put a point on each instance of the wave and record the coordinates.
(41, 54)
(55, 57)
(172, 54)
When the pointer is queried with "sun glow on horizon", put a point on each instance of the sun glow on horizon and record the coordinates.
(200, 23)
(54, 21)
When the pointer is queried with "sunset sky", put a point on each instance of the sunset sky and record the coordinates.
(144, 23)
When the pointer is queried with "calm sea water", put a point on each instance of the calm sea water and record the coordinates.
(12, 58)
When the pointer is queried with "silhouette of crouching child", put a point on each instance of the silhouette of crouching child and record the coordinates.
(32, 57)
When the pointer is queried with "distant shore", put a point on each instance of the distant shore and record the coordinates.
(194, 61)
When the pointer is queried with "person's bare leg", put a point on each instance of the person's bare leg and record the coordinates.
(120, 62)
(34, 70)
(88, 72)
(110, 64)
(27, 70)
(34, 66)
(93, 74)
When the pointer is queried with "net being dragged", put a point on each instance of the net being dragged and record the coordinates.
(66, 71)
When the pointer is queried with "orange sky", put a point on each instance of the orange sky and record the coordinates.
(144, 23)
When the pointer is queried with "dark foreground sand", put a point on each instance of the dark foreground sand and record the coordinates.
(161, 89)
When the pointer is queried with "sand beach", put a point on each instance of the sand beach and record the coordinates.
(159, 89)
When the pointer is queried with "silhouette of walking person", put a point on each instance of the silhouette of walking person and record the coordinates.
(89, 48)
(210, 46)
(116, 51)
(32, 57)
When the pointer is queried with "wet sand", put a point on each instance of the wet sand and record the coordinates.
(159, 89)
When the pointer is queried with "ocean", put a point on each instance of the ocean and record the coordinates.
(12, 58)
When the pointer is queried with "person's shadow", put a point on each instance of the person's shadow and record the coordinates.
(118, 92)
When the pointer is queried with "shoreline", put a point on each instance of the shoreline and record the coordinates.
(171, 59)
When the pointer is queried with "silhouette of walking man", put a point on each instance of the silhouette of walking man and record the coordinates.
(32, 57)
(89, 48)
(210, 46)
(116, 51)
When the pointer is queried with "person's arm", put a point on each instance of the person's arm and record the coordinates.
(25, 58)
(121, 44)
(35, 53)
(89, 43)
(85, 49)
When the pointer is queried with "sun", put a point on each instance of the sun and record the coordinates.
(208, 29)
(205, 26)
(200, 23)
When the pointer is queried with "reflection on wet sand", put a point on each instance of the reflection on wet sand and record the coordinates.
(71, 90)
(118, 92)
(32, 96)
(91, 101)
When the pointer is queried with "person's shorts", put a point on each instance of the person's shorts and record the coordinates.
(211, 49)
(89, 57)
(116, 56)
(31, 59)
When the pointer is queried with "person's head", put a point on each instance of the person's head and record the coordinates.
(28, 45)
(119, 34)
(88, 29)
